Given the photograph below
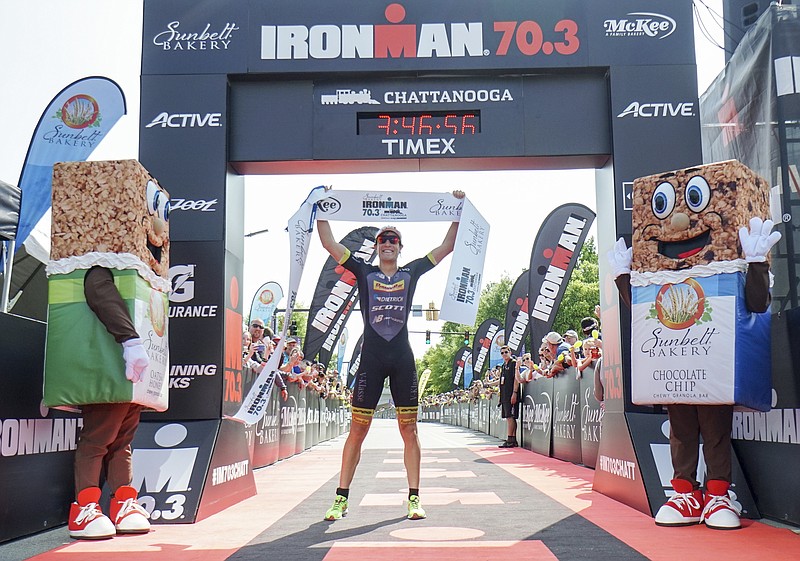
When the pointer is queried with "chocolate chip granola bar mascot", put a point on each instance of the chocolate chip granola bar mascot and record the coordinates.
(697, 276)
(106, 350)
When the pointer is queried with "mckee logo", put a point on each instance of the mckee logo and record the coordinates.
(176, 39)
(641, 24)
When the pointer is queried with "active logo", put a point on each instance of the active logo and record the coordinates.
(185, 120)
(658, 109)
(641, 24)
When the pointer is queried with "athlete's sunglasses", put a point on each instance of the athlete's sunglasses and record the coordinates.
(394, 240)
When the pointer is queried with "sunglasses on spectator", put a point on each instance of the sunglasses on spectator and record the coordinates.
(257, 326)
(504, 352)
(394, 240)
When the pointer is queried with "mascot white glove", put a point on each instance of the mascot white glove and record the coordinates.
(620, 258)
(759, 240)
(136, 361)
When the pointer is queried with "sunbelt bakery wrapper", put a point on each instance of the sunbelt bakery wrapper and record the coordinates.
(76, 372)
(695, 342)
(103, 216)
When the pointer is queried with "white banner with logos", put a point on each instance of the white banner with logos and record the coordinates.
(460, 303)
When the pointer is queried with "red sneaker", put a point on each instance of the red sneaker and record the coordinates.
(684, 508)
(129, 517)
(86, 519)
(721, 511)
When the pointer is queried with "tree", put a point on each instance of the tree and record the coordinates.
(439, 358)
(582, 293)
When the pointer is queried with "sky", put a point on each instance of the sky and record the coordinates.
(47, 44)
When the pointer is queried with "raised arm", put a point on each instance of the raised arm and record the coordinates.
(449, 242)
(333, 247)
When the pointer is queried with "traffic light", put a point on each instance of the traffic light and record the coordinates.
(428, 337)
(466, 337)
(293, 328)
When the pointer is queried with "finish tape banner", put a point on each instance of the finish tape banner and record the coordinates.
(461, 297)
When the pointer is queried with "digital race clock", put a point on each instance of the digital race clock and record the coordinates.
(430, 123)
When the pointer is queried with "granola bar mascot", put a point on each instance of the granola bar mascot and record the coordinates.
(698, 277)
(107, 328)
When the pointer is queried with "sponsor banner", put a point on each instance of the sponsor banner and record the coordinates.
(567, 417)
(197, 318)
(462, 357)
(267, 431)
(553, 257)
(499, 340)
(355, 360)
(485, 336)
(517, 318)
(335, 296)
(77, 119)
(265, 300)
(341, 348)
(230, 473)
(418, 35)
(423, 381)
(186, 37)
(170, 461)
(591, 418)
(287, 436)
(460, 302)
(183, 134)
(300, 420)
(695, 342)
(537, 415)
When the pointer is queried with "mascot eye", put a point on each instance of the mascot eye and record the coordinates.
(153, 194)
(162, 211)
(663, 200)
(698, 194)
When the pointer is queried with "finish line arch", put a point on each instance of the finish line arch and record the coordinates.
(230, 88)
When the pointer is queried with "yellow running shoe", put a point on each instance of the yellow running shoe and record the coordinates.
(415, 511)
(339, 509)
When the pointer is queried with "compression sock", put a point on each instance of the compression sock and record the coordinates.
(413, 492)
(343, 492)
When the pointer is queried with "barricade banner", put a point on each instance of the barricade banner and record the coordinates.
(591, 418)
(567, 417)
(267, 434)
(537, 415)
(287, 436)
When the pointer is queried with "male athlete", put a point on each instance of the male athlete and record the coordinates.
(385, 293)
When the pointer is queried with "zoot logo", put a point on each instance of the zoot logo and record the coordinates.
(187, 204)
(641, 24)
(165, 470)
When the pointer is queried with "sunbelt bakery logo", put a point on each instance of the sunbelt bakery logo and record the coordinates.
(680, 306)
(207, 38)
(641, 24)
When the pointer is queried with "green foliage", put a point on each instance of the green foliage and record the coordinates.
(582, 293)
(439, 358)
